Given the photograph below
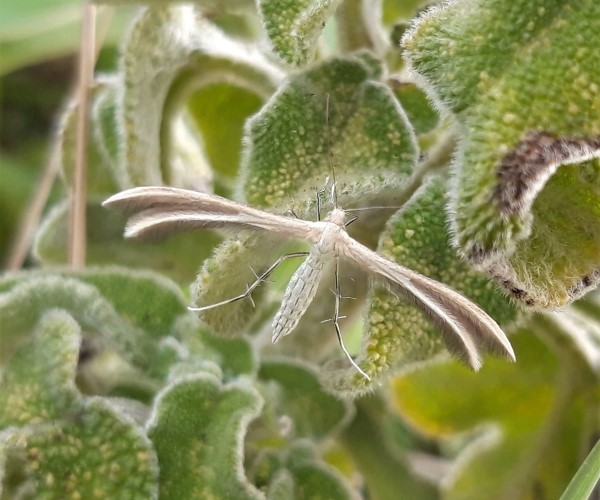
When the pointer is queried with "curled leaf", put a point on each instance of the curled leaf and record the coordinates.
(523, 86)
(198, 430)
(171, 51)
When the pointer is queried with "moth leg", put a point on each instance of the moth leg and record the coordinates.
(337, 317)
(254, 285)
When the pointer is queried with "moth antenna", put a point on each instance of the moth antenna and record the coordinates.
(330, 153)
(363, 209)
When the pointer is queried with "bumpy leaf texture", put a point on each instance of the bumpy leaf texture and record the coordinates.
(397, 333)
(334, 112)
(198, 429)
(522, 81)
(293, 26)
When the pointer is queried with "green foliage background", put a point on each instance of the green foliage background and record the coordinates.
(479, 122)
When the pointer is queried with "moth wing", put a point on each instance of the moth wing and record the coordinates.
(160, 211)
(466, 328)
(135, 200)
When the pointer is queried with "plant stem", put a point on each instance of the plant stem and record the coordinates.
(77, 222)
(33, 213)
(358, 26)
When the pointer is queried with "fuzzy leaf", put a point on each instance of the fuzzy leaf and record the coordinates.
(524, 85)
(39, 383)
(101, 175)
(226, 274)
(105, 128)
(222, 124)
(235, 357)
(418, 108)
(397, 332)
(198, 430)
(291, 141)
(361, 110)
(294, 27)
(579, 328)
(95, 453)
(170, 52)
(511, 419)
(297, 394)
(178, 257)
(132, 312)
(298, 473)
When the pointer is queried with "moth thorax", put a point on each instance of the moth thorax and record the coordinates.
(337, 216)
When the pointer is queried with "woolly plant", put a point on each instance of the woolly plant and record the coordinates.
(471, 128)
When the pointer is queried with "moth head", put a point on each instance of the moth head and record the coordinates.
(337, 216)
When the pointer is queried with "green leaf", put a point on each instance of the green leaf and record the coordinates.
(417, 106)
(221, 124)
(170, 52)
(94, 453)
(296, 392)
(358, 27)
(297, 472)
(39, 382)
(132, 312)
(523, 85)
(294, 27)
(178, 257)
(317, 481)
(235, 357)
(398, 333)
(515, 420)
(586, 478)
(385, 468)
(104, 120)
(226, 275)
(101, 175)
(336, 110)
(198, 429)
(392, 10)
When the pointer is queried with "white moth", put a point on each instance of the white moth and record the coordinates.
(156, 211)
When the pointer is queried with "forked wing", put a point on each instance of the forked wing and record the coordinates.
(160, 211)
(467, 329)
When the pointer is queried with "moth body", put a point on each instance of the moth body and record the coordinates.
(300, 292)
(304, 283)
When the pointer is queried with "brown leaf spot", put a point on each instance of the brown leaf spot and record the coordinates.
(584, 284)
(523, 171)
